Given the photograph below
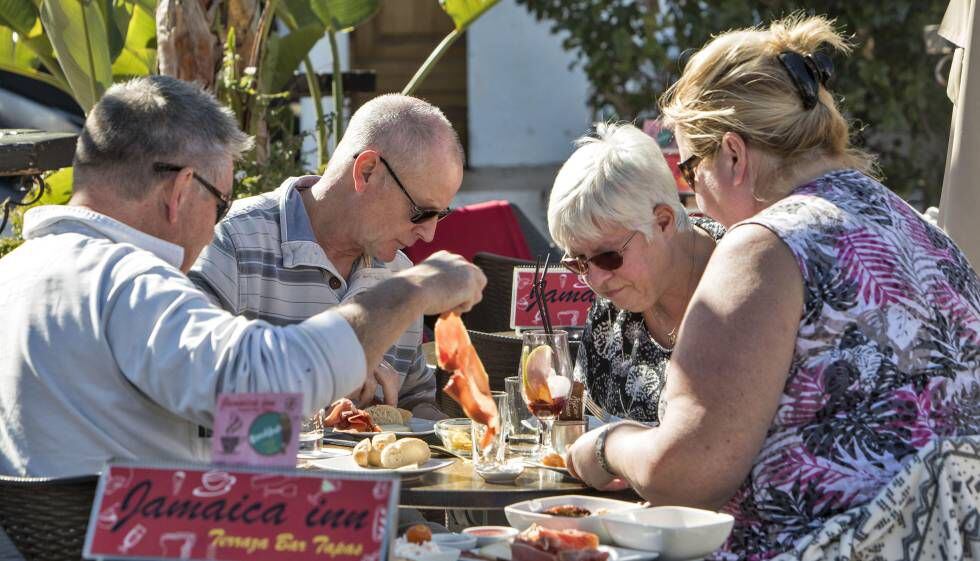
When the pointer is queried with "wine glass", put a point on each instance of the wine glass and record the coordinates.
(546, 378)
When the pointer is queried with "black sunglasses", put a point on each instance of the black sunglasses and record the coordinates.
(687, 168)
(607, 260)
(224, 201)
(419, 214)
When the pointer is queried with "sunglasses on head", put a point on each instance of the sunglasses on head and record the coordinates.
(607, 260)
(224, 201)
(419, 214)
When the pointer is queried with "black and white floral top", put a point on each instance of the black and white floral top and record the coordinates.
(621, 365)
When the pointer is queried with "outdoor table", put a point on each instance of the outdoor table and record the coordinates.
(459, 487)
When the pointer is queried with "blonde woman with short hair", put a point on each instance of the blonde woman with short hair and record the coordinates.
(833, 333)
(615, 211)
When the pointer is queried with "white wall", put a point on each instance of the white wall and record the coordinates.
(525, 105)
(323, 63)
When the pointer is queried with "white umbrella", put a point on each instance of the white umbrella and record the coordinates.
(959, 208)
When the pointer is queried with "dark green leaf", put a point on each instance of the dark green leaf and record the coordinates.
(343, 15)
(18, 15)
(293, 48)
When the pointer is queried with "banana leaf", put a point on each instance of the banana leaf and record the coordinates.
(465, 12)
(77, 31)
(18, 15)
(344, 15)
(138, 57)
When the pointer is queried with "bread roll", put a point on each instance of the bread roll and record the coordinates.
(378, 443)
(385, 415)
(406, 415)
(362, 453)
(405, 452)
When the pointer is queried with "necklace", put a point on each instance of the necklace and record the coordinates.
(661, 317)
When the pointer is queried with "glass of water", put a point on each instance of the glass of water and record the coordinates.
(311, 433)
(524, 437)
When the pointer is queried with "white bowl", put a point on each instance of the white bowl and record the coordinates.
(457, 541)
(486, 535)
(676, 532)
(523, 514)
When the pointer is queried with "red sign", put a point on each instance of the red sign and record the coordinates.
(236, 514)
(567, 296)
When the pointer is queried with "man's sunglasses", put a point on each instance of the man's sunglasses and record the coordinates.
(224, 201)
(419, 214)
(687, 168)
(607, 260)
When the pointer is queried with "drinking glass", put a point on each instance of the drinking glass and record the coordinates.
(523, 438)
(492, 455)
(311, 434)
(546, 378)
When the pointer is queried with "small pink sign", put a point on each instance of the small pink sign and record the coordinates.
(567, 296)
(257, 429)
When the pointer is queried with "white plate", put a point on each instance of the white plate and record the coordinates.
(675, 531)
(501, 552)
(416, 427)
(321, 454)
(523, 514)
(347, 463)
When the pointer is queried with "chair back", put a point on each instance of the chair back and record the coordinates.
(445, 403)
(46, 518)
(492, 313)
(500, 355)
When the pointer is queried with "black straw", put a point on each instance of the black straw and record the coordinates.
(538, 290)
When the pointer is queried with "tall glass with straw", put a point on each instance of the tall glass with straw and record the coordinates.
(546, 369)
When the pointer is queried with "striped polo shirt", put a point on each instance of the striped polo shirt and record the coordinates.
(265, 263)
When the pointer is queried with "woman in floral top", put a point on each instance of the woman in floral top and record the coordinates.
(614, 209)
(834, 332)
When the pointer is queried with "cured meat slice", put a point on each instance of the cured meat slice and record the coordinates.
(542, 544)
(469, 384)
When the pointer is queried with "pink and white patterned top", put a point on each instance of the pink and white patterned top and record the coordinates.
(887, 358)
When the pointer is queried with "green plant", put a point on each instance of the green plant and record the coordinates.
(632, 50)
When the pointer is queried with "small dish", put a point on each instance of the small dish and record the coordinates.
(457, 541)
(455, 435)
(429, 551)
(506, 473)
(486, 535)
(676, 532)
(523, 514)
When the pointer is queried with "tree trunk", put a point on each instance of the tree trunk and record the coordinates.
(187, 49)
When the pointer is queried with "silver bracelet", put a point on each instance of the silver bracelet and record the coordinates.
(600, 449)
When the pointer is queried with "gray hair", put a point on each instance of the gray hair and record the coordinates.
(404, 129)
(151, 119)
(614, 178)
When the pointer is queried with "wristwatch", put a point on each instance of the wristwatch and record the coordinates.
(600, 449)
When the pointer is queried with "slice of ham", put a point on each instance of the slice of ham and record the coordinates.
(346, 417)
(542, 544)
(469, 384)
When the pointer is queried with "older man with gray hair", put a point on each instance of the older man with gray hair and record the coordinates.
(316, 242)
(109, 351)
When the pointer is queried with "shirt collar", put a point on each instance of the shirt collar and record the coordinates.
(56, 219)
(299, 245)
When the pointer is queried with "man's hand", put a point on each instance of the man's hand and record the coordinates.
(450, 283)
(384, 376)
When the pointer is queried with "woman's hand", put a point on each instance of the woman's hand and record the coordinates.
(582, 463)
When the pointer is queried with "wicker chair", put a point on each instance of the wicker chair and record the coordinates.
(500, 354)
(493, 312)
(46, 518)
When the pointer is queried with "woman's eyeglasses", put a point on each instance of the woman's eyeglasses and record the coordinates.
(224, 201)
(688, 168)
(607, 260)
(419, 214)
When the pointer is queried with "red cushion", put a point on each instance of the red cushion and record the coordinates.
(489, 226)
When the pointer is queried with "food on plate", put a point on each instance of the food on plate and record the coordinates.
(568, 511)
(344, 416)
(378, 443)
(362, 453)
(407, 550)
(405, 452)
(553, 460)
(419, 533)
(388, 415)
(542, 544)
(469, 384)
(385, 451)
